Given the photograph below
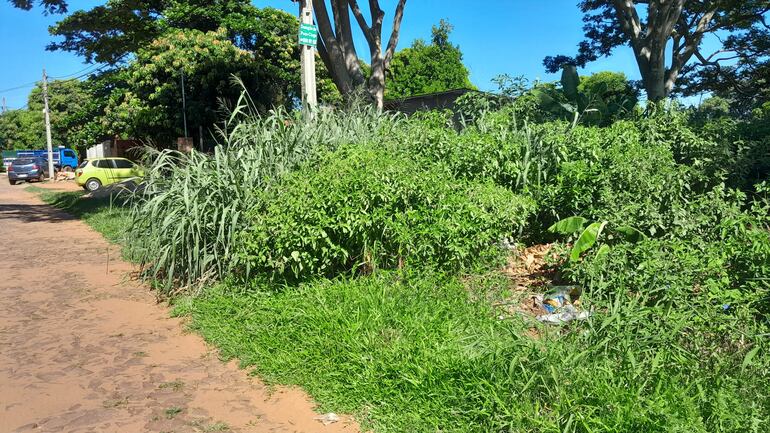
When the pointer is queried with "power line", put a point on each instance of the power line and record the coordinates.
(98, 69)
(19, 87)
(75, 73)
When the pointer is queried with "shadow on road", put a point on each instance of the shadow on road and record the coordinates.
(33, 213)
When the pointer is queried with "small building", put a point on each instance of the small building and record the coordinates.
(429, 101)
(115, 148)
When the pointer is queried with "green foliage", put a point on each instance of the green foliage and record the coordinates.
(598, 99)
(194, 206)
(677, 336)
(21, 129)
(151, 106)
(619, 175)
(569, 225)
(614, 96)
(495, 147)
(108, 32)
(589, 236)
(423, 69)
(210, 41)
(410, 352)
(365, 209)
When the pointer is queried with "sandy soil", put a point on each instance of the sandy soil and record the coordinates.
(84, 349)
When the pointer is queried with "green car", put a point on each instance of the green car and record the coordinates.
(95, 173)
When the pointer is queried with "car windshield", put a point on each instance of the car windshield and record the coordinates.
(83, 164)
(24, 161)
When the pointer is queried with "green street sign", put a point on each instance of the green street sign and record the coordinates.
(308, 35)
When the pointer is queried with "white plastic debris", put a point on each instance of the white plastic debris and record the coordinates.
(328, 418)
(567, 314)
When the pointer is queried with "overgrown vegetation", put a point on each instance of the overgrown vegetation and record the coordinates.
(186, 224)
(356, 255)
(360, 254)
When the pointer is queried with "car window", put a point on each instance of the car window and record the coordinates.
(122, 163)
(69, 154)
(83, 164)
(24, 161)
(103, 163)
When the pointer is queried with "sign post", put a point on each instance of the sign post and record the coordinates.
(308, 36)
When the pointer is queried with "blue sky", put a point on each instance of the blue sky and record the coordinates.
(496, 37)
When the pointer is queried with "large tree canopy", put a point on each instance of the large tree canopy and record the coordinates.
(430, 68)
(49, 6)
(107, 33)
(149, 42)
(151, 105)
(746, 83)
(665, 35)
(25, 128)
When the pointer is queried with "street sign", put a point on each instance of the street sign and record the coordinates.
(308, 35)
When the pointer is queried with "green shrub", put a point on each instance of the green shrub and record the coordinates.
(615, 174)
(193, 206)
(497, 147)
(366, 208)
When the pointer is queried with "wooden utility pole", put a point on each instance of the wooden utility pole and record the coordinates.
(47, 125)
(309, 93)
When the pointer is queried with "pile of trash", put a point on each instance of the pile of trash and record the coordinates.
(560, 305)
(64, 175)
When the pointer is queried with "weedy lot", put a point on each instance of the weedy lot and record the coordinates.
(360, 257)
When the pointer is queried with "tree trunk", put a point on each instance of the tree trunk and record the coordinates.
(335, 45)
(664, 22)
(377, 81)
(655, 76)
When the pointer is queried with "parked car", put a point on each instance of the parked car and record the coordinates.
(95, 173)
(27, 169)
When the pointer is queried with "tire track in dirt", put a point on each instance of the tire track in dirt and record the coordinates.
(84, 349)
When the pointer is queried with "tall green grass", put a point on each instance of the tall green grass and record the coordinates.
(414, 352)
(193, 205)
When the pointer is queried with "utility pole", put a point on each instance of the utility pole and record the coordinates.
(4, 107)
(309, 93)
(184, 108)
(47, 125)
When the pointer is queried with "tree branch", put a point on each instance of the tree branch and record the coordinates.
(361, 21)
(395, 33)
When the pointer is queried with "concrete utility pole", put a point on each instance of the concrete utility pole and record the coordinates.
(47, 125)
(4, 107)
(184, 107)
(309, 93)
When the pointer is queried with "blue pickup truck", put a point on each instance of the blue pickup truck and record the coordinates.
(63, 158)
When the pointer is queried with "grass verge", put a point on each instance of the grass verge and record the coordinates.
(416, 353)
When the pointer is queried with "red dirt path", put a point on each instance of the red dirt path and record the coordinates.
(84, 349)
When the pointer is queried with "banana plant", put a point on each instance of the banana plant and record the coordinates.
(569, 101)
(589, 235)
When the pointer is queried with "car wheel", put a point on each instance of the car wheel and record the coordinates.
(12, 182)
(93, 184)
(41, 178)
(66, 169)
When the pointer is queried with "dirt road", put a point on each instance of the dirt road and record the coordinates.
(85, 349)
